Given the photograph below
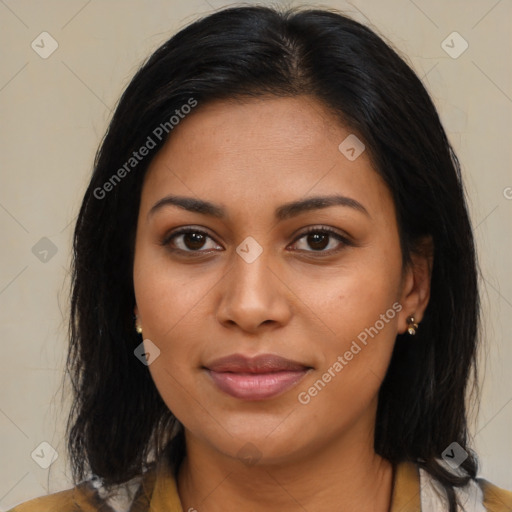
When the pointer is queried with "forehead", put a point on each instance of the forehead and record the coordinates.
(262, 151)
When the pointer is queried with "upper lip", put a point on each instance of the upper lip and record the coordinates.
(263, 363)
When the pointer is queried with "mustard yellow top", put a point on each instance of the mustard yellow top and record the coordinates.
(157, 492)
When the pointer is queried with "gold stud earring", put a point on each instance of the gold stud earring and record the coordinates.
(411, 326)
(138, 327)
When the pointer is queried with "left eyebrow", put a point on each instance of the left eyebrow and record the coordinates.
(315, 203)
(283, 212)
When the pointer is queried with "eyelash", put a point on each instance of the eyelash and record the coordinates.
(312, 229)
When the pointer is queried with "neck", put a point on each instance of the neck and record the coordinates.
(342, 476)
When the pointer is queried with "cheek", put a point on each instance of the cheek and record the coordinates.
(169, 305)
(360, 307)
(166, 293)
(169, 378)
(354, 365)
(181, 340)
(360, 293)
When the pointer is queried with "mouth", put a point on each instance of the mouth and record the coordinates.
(258, 378)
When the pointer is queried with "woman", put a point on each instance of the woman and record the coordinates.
(275, 301)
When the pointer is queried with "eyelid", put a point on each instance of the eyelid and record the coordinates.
(184, 230)
(319, 227)
(342, 237)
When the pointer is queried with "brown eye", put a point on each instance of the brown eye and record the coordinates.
(188, 240)
(317, 239)
(194, 240)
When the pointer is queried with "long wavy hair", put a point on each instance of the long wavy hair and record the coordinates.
(118, 423)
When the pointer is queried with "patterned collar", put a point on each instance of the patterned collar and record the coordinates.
(157, 491)
(414, 490)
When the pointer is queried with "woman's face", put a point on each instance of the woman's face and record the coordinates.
(248, 280)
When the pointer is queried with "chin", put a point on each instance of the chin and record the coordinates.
(259, 448)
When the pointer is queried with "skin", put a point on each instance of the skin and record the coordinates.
(293, 300)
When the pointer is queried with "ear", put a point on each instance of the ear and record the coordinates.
(415, 292)
(136, 310)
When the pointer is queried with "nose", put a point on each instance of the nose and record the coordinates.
(253, 295)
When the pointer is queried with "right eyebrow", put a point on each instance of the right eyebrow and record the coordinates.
(190, 204)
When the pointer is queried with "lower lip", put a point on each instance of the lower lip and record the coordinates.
(256, 386)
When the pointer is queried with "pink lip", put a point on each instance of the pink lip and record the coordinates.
(256, 378)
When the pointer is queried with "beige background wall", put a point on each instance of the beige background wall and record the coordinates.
(54, 112)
